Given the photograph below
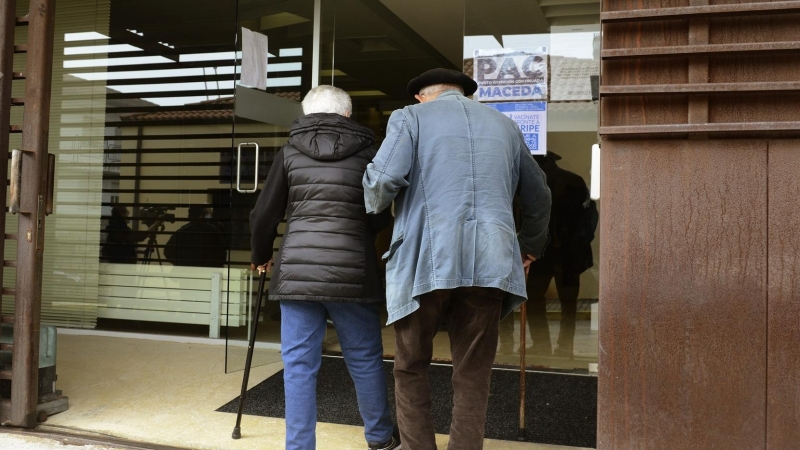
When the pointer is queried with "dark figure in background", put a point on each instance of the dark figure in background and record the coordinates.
(199, 243)
(573, 220)
(121, 240)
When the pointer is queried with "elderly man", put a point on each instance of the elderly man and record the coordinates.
(453, 168)
(328, 264)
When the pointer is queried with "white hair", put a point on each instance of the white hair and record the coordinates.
(327, 99)
(435, 89)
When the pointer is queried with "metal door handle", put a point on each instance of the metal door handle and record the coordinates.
(239, 168)
(16, 180)
(51, 182)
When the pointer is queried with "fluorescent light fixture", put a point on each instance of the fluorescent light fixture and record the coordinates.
(138, 74)
(284, 82)
(108, 62)
(285, 67)
(228, 70)
(290, 52)
(145, 74)
(167, 87)
(92, 49)
(217, 56)
(180, 101)
(86, 36)
(595, 181)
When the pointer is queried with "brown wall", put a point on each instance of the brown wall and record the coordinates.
(700, 266)
(783, 369)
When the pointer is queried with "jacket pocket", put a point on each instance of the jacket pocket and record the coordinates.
(495, 248)
(393, 248)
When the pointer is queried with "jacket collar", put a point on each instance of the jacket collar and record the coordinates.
(449, 93)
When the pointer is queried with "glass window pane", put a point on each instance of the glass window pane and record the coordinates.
(561, 328)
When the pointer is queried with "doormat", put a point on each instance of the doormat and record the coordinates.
(561, 409)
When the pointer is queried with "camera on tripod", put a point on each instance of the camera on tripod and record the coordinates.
(153, 214)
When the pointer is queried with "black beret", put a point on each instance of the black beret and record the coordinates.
(442, 76)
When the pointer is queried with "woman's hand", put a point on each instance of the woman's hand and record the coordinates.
(526, 263)
(263, 267)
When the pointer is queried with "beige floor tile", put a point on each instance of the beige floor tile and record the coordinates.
(167, 393)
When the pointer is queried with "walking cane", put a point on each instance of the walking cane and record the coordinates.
(523, 316)
(237, 430)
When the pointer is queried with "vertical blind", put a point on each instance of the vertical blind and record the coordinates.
(142, 117)
(70, 274)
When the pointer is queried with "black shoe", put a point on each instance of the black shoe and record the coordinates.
(391, 444)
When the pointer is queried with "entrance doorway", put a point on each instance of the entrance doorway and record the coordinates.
(371, 49)
(162, 152)
(167, 100)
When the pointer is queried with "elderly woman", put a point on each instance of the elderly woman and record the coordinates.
(327, 265)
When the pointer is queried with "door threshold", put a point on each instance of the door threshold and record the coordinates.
(76, 437)
(166, 338)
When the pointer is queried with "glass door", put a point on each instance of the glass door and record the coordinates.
(377, 48)
(276, 50)
(145, 113)
(561, 320)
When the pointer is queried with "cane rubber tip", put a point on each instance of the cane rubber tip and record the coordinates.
(237, 433)
(521, 435)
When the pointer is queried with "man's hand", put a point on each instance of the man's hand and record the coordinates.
(526, 263)
(263, 267)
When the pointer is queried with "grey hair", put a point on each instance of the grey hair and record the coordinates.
(435, 89)
(327, 99)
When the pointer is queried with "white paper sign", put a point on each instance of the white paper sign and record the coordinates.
(531, 117)
(504, 74)
(254, 60)
(571, 78)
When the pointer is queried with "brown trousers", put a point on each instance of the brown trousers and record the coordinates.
(472, 317)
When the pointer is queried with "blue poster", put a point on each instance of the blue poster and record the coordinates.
(531, 117)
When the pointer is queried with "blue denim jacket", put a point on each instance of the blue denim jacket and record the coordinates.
(453, 167)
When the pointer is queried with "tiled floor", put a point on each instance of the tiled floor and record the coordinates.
(167, 393)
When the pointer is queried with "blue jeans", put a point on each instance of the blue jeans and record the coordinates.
(358, 326)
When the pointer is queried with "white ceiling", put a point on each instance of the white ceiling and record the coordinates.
(443, 23)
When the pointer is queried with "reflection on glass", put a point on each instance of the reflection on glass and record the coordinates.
(573, 221)
(141, 118)
(203, 242)
(143, 105)
(372, 50)
(262, 117)
(561, 331)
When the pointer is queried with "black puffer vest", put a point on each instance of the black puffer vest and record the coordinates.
(328, 249)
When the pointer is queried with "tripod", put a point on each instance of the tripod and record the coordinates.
(152, 246)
